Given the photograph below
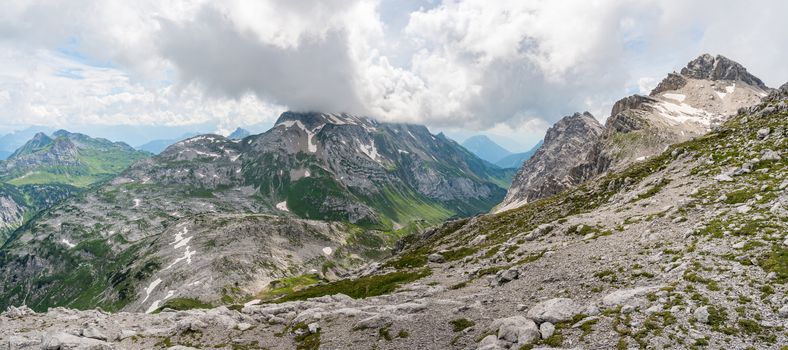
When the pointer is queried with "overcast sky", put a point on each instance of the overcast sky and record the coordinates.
(509, 68)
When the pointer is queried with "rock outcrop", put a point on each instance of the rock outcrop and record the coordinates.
(548, 172)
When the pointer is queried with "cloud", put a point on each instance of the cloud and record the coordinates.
(211, 51)
(506, 65)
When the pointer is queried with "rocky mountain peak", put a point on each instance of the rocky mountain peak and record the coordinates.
(719, 68)
(315, 120)
(38, 142)
(62, 133)
(548, 172)
(573, 125)
(238, 134)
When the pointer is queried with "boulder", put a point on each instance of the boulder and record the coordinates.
(770, 155)
(762, 133)
(539, 231)
(546, 330)
(490, 342)
(374, 322)
(60, 340)
(313, 327)
(515, 330)
(506, 276)
(783, 311)
(701, 314)
(622, 296)
(20, 342)
(94, 333)
(435, 258)
(554, 310)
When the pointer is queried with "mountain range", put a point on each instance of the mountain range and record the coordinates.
(46, 170)
(516, 160)
(485, 148)
(320, 192)
(663, 228)
(683, 106)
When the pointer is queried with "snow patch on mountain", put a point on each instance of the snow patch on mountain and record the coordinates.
(370, 150)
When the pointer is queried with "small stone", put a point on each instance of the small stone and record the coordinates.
(770, 155)
(762, 133)
(744, 209)
(507, 276)
(592, 310)
(588, 236)
(435, 258)
(627, 309)
(243, 326)
(783, 311)
(313, 327)
(478, 240)
(739, 245)
(546, 329)
(701, 314)
(723, 178)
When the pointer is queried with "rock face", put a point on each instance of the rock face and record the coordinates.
(683, 106)
(548, 172)
(713, 68)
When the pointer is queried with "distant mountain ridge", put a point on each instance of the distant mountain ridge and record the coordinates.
(157, 146)
(12, 141)
(485, 148)
(238, 134)
(516, 160)
(317, 192)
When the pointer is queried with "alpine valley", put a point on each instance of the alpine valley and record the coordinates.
(664, 228)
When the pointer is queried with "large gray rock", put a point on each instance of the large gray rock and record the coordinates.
(506, 276)
(94, 333)
(620, 297)
(374, 322)
(490, 342)
(435, 258)
(65, 341)
(554, 310)
(516, 330)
